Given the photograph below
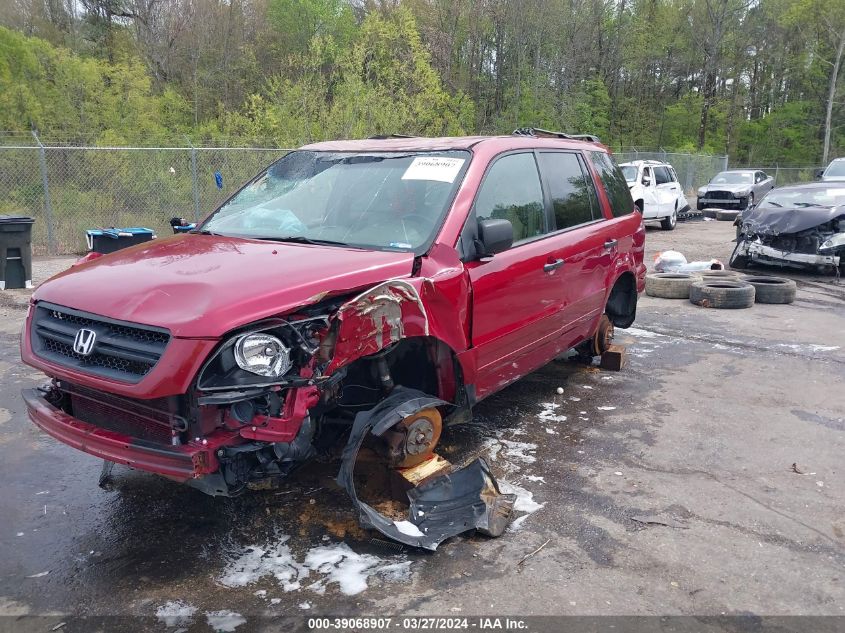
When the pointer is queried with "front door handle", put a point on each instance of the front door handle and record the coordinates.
(553, 265)
(611, 244)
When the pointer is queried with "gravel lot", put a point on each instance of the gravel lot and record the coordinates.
(706, 478)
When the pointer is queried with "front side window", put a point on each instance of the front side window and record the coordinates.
(391, 201)
(662, 174)
(648, 179)
(572, 193)
(621, 202)
(511, 191)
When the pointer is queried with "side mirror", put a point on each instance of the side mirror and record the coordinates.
(494, 236)
(647, 181)
(818, 174)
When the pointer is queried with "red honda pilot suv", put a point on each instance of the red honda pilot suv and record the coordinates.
(374, 287)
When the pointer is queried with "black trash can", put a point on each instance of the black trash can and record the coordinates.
(15, 251)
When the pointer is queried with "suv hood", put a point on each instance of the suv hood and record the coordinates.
(202, 286)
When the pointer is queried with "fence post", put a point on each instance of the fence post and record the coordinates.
(725, 163)
(195, 186)
(48, 205)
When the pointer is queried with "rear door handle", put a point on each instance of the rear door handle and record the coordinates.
(553, 265)
(611, 244)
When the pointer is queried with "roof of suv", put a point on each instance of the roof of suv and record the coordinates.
(415, 144)
(650, 163)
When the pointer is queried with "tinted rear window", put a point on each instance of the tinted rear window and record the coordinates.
(617, 190)
(572, 194)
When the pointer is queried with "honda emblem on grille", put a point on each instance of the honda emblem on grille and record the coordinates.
(83, 343)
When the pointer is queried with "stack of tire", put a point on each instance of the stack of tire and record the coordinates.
(724, 289)
(725, 215)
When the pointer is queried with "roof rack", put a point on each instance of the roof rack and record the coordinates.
(539, 132)
(382, 137)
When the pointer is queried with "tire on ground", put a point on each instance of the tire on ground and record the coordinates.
(722, 293)
(715, 275)
(727, 216)
(772, 289)
(668, 285)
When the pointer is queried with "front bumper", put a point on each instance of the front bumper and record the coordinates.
(180, 463)
(767, 253)
(731, 204)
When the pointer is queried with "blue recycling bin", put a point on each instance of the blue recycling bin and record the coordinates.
(110, 240)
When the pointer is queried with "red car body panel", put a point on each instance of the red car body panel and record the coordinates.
(202, 286)
(499, 318)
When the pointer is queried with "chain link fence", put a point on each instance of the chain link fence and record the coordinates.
(71, 189)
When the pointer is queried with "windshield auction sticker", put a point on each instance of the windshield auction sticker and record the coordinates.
(433, 168)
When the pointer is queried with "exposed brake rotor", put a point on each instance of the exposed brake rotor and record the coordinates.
(603, 337)
(413, 439)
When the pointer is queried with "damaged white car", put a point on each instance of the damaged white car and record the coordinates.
(795, 226)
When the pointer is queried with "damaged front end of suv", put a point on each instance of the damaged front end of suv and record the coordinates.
(276, 342)
(801, 226)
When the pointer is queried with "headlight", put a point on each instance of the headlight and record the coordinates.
(702, 192)
(832, 244)
(741, 194)
(262, 354)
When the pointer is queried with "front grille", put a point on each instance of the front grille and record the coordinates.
(123, 351)
(121, 415)
(719, 195)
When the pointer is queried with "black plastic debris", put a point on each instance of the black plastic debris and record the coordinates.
(465, 499)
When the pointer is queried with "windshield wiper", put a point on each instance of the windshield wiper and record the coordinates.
(206, 232)
(774, 204)
(301, 239)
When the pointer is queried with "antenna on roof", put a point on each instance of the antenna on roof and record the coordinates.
(540, 133)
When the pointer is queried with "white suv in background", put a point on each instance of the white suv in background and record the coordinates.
(656, 191)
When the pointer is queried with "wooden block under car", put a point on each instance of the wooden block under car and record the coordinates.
(614, 358)
(403, 479)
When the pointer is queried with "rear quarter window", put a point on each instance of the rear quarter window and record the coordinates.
(621, 202)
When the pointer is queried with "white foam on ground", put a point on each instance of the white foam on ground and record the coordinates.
(273, 559)
(350, 570)
(176, 613)
(542, 480)
(524, 499)
(335, 563)
(548, 413)
(606, 408)
(524, 503)
(519, 451)
(224, 621)
(642, 333)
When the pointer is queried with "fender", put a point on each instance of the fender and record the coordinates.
(435, 303)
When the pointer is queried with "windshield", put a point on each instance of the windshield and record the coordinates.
(835, 169)
(367, 200)
(630, 172)
(815, 197)
(733, 178)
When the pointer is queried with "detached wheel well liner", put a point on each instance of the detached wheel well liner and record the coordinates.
(621, 306)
